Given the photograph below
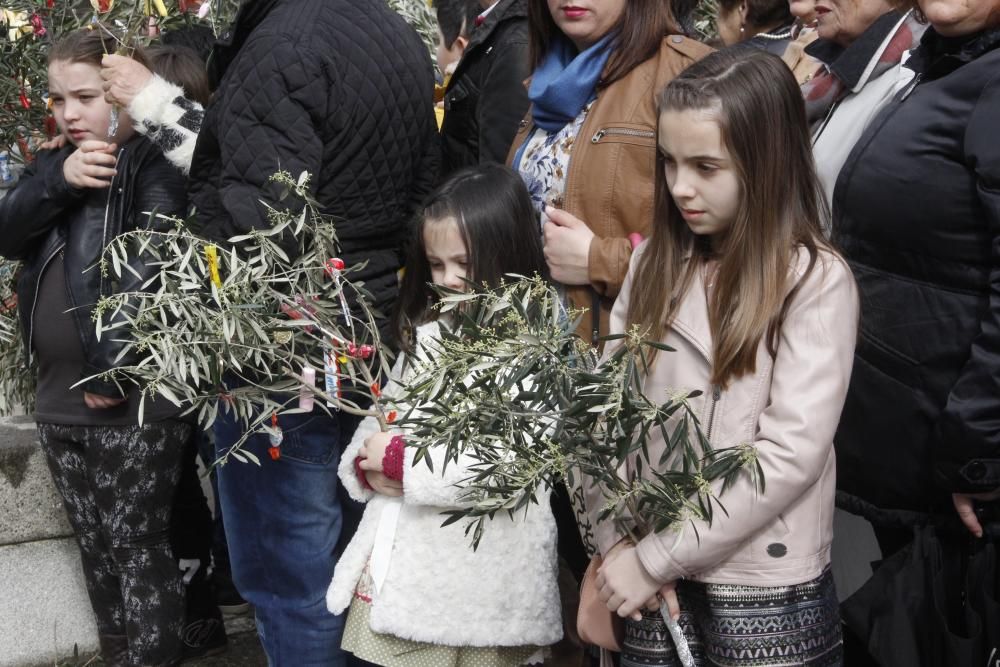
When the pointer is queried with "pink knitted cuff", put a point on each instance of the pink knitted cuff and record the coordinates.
(392, 462)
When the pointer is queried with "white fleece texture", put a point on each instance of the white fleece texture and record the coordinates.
(438, 589)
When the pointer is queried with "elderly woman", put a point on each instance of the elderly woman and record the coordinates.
(761, 24)
(917, 214)
(587, 149)
(861, 44)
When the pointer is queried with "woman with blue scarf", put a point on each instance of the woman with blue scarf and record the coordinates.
(587, 149)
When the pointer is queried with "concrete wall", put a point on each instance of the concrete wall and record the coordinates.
(43, 600)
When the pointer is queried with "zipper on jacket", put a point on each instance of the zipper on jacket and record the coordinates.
(34, 304)
(909, 88)
(622, 132)
(107, 211)
(716, 395)
(826, 121)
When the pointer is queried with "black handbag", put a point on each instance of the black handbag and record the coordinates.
(935, 603)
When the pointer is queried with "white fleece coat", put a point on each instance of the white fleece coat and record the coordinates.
(437, 589)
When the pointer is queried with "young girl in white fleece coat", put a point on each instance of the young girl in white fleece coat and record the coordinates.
(418, 593)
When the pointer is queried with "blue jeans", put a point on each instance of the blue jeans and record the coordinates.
(282, 522)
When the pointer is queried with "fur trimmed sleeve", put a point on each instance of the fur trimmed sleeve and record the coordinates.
(168, 119)
(369, 426)
(348, 476)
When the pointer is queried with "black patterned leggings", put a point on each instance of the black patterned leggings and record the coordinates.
(118, 484)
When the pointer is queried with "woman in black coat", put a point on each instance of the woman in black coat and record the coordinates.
(917, 214)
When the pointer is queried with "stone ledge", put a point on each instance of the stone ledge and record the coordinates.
(30, 507)
(44, 601)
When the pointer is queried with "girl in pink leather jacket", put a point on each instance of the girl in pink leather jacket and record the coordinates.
(762, 313)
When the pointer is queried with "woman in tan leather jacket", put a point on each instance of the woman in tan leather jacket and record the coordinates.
(587, 147)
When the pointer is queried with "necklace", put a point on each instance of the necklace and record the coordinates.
(776, 36)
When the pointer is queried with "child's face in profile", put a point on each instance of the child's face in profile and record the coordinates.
(78, 104)
(448, 56)
(446, 253)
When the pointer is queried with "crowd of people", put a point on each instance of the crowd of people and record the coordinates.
(807, 212)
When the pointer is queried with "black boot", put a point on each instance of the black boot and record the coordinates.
(114, 650)
(204, 632)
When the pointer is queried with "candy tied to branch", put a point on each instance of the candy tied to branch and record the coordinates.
(275, 436)
(360, 351)
(331, 372)
(17, 23)
(212, 257)
(306, 399)
(37, 26)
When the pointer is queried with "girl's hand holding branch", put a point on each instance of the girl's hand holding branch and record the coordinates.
(625, 586)
(91, 165)
(372, 453)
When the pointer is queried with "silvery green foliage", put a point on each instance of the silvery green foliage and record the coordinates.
(523, 402)
(704, 20)
(418, 13)
(241, 345)
(17, 376)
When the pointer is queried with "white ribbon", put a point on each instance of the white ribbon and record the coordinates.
(385, 535)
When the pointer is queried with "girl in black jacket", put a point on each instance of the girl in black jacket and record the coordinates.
(117, 478)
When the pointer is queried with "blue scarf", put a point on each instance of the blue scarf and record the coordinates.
(563, 85)
(565, 82)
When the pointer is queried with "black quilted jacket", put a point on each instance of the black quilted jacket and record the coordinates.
(486, 97)
(342, 89)
(44, 216)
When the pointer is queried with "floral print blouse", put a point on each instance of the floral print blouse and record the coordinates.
(545, 163)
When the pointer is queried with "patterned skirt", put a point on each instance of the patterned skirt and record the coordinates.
(739, 626)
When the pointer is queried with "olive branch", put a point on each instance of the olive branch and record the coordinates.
(236, 326)
(514, 393)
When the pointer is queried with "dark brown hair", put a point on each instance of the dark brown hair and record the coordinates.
(761, 13)
(761, 115)
(499, 227)
(455, 18)
(181, 65)
(638, 33)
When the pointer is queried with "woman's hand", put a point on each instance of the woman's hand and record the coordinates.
(98, 402)
(372, 453)
(624, 585)
(123, 79)
(567, 247)
(966, 507)
(91, 165)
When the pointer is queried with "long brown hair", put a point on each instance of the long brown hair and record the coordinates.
(762, 119)
(639, 31)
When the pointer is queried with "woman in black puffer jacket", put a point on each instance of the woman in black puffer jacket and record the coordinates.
(917, 214)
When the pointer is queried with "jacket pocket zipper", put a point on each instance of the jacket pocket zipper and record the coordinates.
(716, 395)
(622, 132)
